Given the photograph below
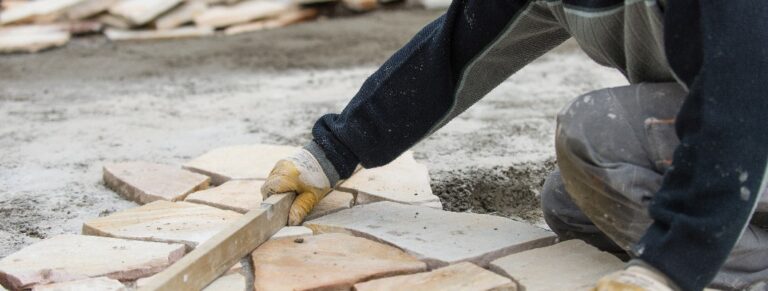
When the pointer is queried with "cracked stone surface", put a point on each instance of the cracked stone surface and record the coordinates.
(74, 257)
(92, 284)
(239, 162)
(144, 182)
(570, 265)
(236, 195)
(327, 262)
(403, 180)
(333, 202)
(435, 236)
(458, 277)
(163, 221)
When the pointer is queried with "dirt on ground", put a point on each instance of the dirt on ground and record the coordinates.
(64, 113)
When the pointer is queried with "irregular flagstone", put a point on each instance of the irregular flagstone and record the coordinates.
(89, 8)
(435, 236)
(333, 202)
(570, 265)
(186, 12)
(32, 38)
(35, 9)
(149, 34)
(403, 180)
(327, 262)
(163, 221)
(236, 195)
(240, 162)
(292, 232)
(74, 257)
(92, 284)
(232, 282)
(144, 182)
(139, 12)
(242, 12)
(458, 277)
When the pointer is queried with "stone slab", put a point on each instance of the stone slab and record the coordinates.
(163, 221)
(403, 180)
(333, 202)
(92, 284)
(114, 21)
(292, 232)
(435, 236)
(140, 12)
(32, 38)
(360, 5)
(144, 182)
(232, 282)
(282, 20)
(149, 34)
(327, 262)
(75, 257)
(236, 269)
(236, 195)
(242, 12)
(89, 8)
(35, 9)
(239, 162)
(458, 277)
(185, 13)
(570, 265)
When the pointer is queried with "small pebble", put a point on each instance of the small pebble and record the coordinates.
(299, 240)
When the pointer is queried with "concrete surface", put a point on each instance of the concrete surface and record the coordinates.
(67, 112)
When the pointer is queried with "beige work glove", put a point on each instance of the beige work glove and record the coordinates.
(634, 278)
(299, 173)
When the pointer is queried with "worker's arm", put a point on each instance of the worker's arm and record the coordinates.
(449, 65)
(720, 50)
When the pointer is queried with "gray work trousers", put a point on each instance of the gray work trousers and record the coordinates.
(613, 147)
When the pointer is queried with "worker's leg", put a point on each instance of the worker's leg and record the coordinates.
(613, 147)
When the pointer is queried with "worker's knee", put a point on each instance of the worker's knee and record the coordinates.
(587, 123)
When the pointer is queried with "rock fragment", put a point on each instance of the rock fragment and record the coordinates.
(458, 277)
(144, 182)
(435, 236)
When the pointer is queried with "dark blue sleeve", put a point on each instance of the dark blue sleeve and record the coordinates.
(399, 104)
(720, 50)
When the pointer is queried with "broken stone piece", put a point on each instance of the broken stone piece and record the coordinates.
(231, 282)
(91, 284)
(403, 180)
(569, 265)
(144, 182)
(458, 277)
(333, 202)
(242, 12)
(292, 232)
(185, 13)
(327, 262)
(437, 237)
(140, 12)
(240, 162)
(76, 257)
(236, 195)
(163, 221)
(32, 38)
(180, 32)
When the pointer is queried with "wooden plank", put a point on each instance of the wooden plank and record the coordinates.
(214, 257)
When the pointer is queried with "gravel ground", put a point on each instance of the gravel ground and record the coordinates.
(66, 112)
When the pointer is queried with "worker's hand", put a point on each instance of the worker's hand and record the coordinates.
(634, 278)
(299, 173)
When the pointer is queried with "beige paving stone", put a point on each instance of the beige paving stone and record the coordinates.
(149, 34)
(75, 257)
(292, 232)
(115, 21)
(91, 284)
(435, 236)
(32, 38)
(89, 8)
(333, 202)
(458, 277)
(327, 262)
(240, 162)
(144, 182)
(570, 265)
(242, 12)
(185, 13)
(232, 282)
(236, 195)
(403, 180)
(35, 9)
(140, 12)
(163, 221)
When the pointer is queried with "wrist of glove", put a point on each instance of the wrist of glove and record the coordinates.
(302, 174)
(636, 277)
